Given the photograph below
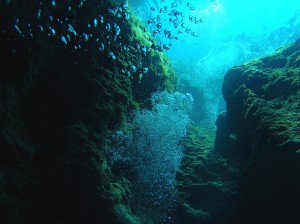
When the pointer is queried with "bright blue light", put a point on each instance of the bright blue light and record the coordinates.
(223, 20)
(232, 32)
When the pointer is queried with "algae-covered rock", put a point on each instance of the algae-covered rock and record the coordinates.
(65, 86)
(226, 141)
(206, 181)
(263, 110)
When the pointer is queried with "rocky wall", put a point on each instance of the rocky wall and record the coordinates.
(263, 116)
(71, 71)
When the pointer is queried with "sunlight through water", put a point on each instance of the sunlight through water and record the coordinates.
(205, 38)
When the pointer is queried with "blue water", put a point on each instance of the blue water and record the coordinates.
(232, 32)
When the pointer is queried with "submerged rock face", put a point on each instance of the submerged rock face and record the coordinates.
(206, 181)
(65, 85)
(263, 114)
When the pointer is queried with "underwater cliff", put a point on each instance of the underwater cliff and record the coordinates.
(71, 73)
(262, 98)
(248, 170)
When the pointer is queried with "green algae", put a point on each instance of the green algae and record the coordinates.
(199, 138)
(262, 99)
(267, 83)
(203, 172)
(125, 216)
(58, 108)
(199, 214)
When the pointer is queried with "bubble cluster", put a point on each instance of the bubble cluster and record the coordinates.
(153, 152)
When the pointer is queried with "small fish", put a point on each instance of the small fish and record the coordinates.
(144, 49)
(140, 77)
(157, 47)
(101, 47)
(145, 70)
(188, 30)
(95, 22)
(52, 30)
(138, 47)
(158, 18)
(39, 14)
(107, 27)
(117, 29)
(101, 19)
(124, 5)
(63, 39)
(166, 47)
(112, 56)
(191, 7)
(167, 34)
(127, 16)
(112, 12)
(173, 5)
(153, 46)
(195, 34)
(119, 9)
(85, 36)
(158, 25)
(40, 28)
(132, 68)
(176, 23)
(152, 9)
(149, 21)
(160, 47)
(119, 15)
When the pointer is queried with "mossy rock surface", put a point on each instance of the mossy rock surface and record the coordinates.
(206, 181)
(263, 111)
(61, 102)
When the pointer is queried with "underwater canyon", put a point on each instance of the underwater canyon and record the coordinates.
(94, 127)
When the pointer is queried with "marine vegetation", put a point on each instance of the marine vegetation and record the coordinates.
(67, 81)
(262, 99)
(206, 181)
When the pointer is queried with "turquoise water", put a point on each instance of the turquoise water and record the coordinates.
(229, 33)
(224, 20)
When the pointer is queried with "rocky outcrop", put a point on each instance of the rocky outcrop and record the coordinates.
(263, 114)
(206, 181)
(66, 83)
